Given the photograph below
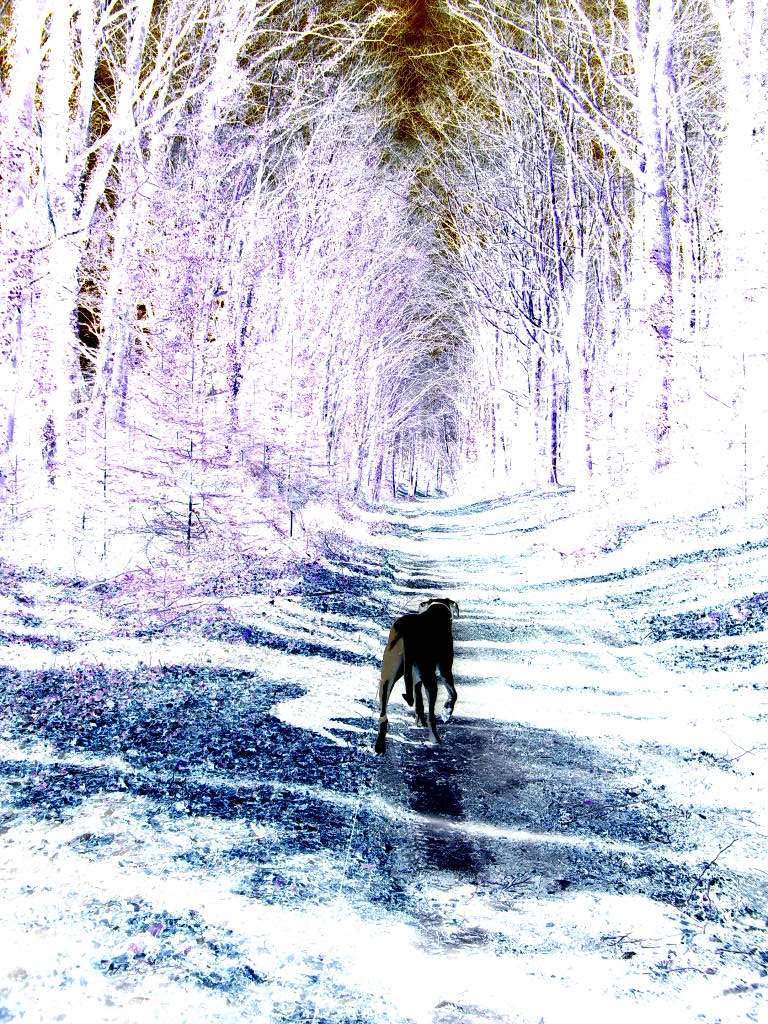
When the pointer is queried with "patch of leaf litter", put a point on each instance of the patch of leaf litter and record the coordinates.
(737, 618)
(484, 630)
(282, 641)
(654, 565)
(137, 943)
(38, 640)
(701, 757)
(344, 590)
(184, 944)
(167, 724)
(715, 658)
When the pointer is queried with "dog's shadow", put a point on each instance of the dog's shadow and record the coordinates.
(427, 782)
(513, 800)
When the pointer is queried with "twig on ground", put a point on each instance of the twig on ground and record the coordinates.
(706, 869)
(752, 750)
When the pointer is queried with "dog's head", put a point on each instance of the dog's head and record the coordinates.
(447, 602)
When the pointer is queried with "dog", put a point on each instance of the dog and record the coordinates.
(420, 642)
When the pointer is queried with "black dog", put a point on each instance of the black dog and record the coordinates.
(422, 641)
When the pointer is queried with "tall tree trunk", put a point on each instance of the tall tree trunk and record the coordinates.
(652, 258)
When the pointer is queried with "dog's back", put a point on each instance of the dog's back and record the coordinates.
(427, 636)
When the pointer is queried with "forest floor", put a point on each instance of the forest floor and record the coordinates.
(195, 827)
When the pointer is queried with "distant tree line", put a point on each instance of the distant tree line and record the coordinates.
(345, 248)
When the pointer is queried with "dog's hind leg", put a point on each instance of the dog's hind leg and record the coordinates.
(418, 692)
(420, 716)
(391, 670)
(430, 685)
(450, 704)
(385, 689)
(408, 675)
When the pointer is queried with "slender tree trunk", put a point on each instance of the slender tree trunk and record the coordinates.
(572, 338)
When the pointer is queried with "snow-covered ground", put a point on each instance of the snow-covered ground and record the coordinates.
(195, 827)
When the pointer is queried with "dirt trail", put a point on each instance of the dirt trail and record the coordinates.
(195, 824)
(590, 772)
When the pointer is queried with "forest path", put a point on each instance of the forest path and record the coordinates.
(195, 824)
